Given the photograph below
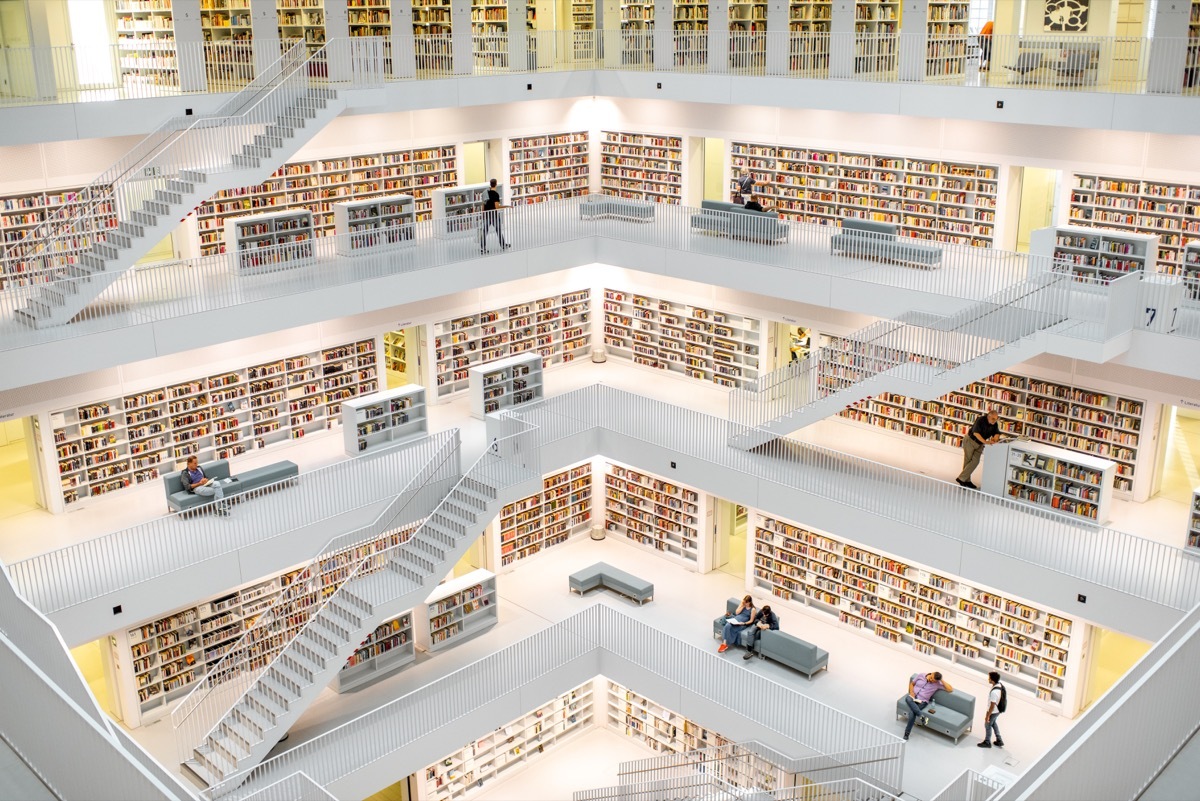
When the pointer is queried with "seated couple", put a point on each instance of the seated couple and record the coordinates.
(746, 617)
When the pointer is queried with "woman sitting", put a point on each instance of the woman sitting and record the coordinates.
(736, 622)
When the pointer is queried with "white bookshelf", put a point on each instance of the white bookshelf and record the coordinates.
(382, 419)
(503, 384)
(641, 166)
(875, 24)
(561, 511)
(655, 513)
(681, 338)
(1096, 253)
(662, 729)
(369, 17)
(1082, 420)
(457, 610)
(548, 167)
(946, 38)
(1051, 478)
(1193, 529)
(275, 240)
(1190, 268)
(809, 53)
(509, 748)
(1036, 650)
(456, 210)
(747, 26)
(114, 443)
(1166, 209)
(556, 327)
(146, 44)
(386, 220)
(22, 262)
(387, 649)
(302, 19)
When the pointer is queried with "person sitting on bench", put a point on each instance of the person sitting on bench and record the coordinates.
(753, 205)
(763, 620)
(195, 482)
(735, 622)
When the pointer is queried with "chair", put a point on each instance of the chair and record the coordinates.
(1027, 62)
(1074, 66)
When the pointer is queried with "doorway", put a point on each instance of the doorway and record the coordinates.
(481, 162)
(94, 660)
(1038, 189)
(1178, 471)
(475, 557)
(401, 356)
(1111, 655)
(729, 555)
(19, 487)
(793, 343)
(714, 169)
(400, 791)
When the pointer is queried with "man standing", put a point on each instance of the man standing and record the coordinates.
(921, 687)
(984, 432)
(745, 186)
(491, 218)
(985, 45)
(997, 703)
(763, 620)
(195, 482)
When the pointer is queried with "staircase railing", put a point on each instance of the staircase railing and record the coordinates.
(508, 461)
(203, 707)
(921, 353)
(98, 206)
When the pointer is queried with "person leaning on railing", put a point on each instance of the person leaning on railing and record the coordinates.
(985, 431)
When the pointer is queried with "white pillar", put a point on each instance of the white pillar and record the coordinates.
(914, 37)
(1168, 48)
(718, 36)
(518, 45)
(404, 62)
(778, 37)
(264, 34)
(664, 34)
(841, 39)
(463, 55)
(189, 45)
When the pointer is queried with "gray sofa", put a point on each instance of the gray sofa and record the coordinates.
(880, 240)
(801, 656)
(603, 574)
(260, 479)
(951, 714)
(730, 219)
(731, 605)
(597, 207)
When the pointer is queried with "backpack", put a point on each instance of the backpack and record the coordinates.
(1002, 706)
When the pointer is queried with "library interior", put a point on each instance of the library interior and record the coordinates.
(484, 512)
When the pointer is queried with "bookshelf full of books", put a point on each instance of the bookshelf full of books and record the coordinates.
(1047, 477)
(362, 224)
(25, 259)
(489, 26)
(146, 42)
(159, 660)
(302, 19)
(1169, 210)
(431, 20)
(555, 326)
(876, 40)
(943, 201)
(226, 21)
(1095, 254)
(1193, 528)
(369, 17)
(691, 33)
(548, 167)
(641, 166)
(1190, 269)
(939, 616)
(1086, 421)
(457, 610)
(385, 650)
(747, 34)
(382, 419)
(1191, 67)
(808, 40)
(946, 38)
(270, 241)
(681, 338)
(654, 513)
(562, 510)
(509, 748)
(107, 445)
(505, 383)
(319, 184)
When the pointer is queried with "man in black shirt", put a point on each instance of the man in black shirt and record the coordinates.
(764, 619)
(491, 218)
(753, 205)
(984, 432)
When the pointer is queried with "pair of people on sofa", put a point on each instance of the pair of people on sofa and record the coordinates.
(744, 617)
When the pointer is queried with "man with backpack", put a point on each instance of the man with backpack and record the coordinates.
(997, 704)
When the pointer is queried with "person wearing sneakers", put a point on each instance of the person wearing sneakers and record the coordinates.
(763, 620)
(921, 687)
(985, 431)
(735, 622)
(997, 704)
(195, 482)
(491, 218)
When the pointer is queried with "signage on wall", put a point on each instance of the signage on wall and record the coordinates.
(1069, 16)
(1188, 403)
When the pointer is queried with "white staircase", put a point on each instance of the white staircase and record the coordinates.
(920, 355)
(253, 709)
(166, 177)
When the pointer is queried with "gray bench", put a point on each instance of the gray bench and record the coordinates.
(732, 220)
(951, 714)
(784, 648)
(880, 240)
(603, 206)
(252, 482)
(603, 574)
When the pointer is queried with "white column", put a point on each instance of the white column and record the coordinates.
(664, 34)
(337, 35)
(189, 45)
(264, 32)
(841, 39)
(718, 36)
(404, 62)
(1168, 48)
(914, 36)
(463, 56)
(777, 37)
(518, 47)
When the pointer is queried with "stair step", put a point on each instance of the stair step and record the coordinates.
(317, 643)
(158, 207)
(27, 317)
(235, 738)
(202, 771)
(216, 762)
(279, 131)
(193, 176)
(181, 187)
(83, 271)
(145, 218)
(344, 612)
(174, 198)
(385, 586)
(300, 664)
(51, 297)
(131, 229)
(289, 675)
(242, 160)
(119, 238)
(332, 629)
(257, 151)
(269, 142)
(59, 292)
(291, 120)
(106, 251)
(39, 308)
(269, 700)
(253, 719)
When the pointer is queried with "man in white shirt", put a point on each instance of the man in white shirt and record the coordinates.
(997, 703)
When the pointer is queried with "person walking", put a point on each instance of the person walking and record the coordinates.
(997, 705)
(491, 218)
(985, 431)
(985, 45)
(921, 687)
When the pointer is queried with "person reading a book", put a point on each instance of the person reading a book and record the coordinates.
(985, 431)
(195, 482)
(735, 622)
(764, 619)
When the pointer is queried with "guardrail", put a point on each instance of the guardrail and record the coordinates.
(970, 786)
(297, 787)
(78, 573)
